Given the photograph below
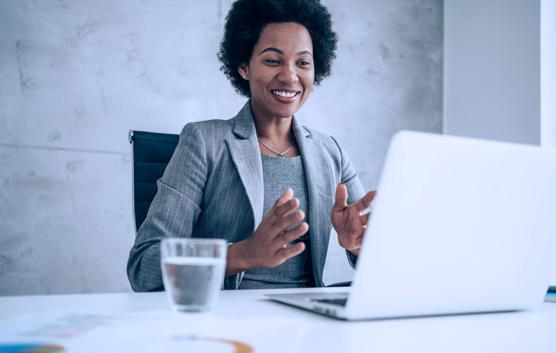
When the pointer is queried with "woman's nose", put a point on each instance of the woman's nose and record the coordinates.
(288, 74)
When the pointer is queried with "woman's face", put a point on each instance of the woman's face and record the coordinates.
(281, 70)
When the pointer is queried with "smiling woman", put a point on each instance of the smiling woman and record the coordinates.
(236, 179)
(280, 72)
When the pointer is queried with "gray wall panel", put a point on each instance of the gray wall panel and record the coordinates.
(492, 79)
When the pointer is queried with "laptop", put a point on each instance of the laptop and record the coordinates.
(551, 293)
(459, 226)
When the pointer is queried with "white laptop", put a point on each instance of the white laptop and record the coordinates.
(459, 226)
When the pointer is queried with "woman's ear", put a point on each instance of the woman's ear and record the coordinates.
(243, 72)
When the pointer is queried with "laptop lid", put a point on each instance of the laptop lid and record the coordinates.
(459, 225)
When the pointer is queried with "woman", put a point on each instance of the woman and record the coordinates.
(227, 178)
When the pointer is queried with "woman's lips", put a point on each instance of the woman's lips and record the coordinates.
(285, 96)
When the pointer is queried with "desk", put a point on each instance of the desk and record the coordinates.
(271, 327)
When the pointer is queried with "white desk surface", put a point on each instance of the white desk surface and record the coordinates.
(248, 317)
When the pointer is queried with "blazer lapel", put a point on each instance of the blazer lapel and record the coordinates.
(246, 155)
(318, 177)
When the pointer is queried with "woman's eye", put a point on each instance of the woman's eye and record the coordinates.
(272, 61)
(303, 63)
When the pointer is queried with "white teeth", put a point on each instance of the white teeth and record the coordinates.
(284, 94)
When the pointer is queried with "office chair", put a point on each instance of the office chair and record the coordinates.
(151, 153)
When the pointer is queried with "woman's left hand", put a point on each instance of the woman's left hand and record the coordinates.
(348, 220)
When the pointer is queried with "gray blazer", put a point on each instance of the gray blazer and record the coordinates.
(213, 188)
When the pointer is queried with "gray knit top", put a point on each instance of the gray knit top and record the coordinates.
(297, 272)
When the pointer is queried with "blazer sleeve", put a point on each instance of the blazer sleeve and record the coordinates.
(173, 211)
(350, 178)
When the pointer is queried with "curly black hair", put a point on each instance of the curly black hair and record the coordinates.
(246, 21)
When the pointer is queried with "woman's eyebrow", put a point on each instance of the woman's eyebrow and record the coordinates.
(305, 52)
(271, 49)
(281, 52)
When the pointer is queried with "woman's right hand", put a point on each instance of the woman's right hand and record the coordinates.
(269, 245)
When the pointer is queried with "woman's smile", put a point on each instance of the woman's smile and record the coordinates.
(286, 96)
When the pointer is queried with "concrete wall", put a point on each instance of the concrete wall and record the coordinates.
(492, 69)
(75, 76)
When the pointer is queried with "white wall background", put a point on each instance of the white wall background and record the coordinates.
(548, 78)
(548, 75)
(75, 76)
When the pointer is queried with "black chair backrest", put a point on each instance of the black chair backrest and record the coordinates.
(151, 153)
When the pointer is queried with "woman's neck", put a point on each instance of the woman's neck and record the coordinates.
(272, 128)
(275, 132)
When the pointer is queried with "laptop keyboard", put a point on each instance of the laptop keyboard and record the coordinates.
(334, 301)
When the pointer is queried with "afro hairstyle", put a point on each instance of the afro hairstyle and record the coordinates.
(247, 19)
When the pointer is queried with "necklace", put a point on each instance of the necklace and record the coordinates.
(281, 154)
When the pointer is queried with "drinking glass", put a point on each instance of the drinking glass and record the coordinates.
(193, 272)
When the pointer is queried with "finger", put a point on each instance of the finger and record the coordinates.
(288, 206)
(287, 195)
(285, 222)
(356, 229)
(347, 242)
(354, 243)
(364, 219)
(293, 234)
(365, 201)
(359, 241)
(283, 210)
(291, 251)
(341, 198)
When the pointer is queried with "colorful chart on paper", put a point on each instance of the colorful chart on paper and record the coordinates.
(193, 343)
(30, 348)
